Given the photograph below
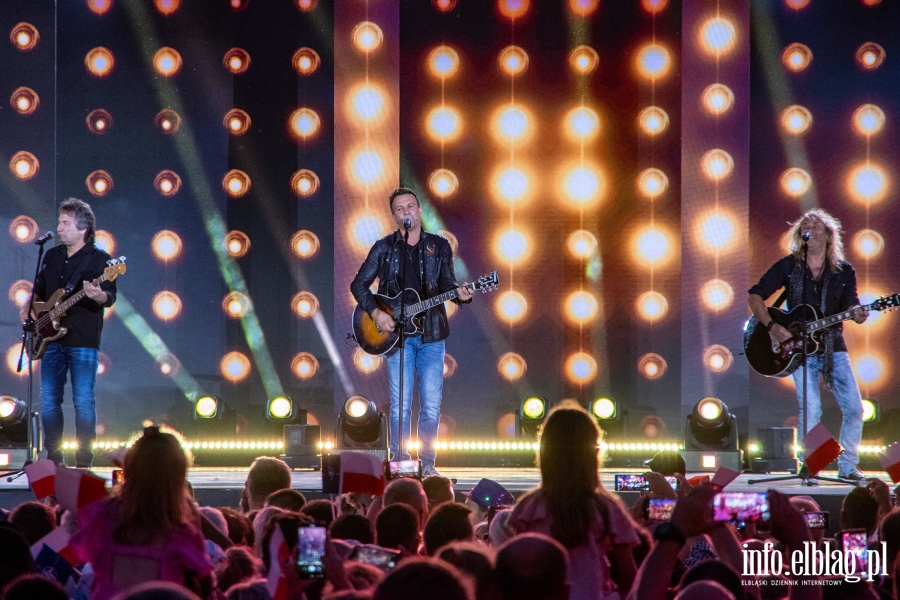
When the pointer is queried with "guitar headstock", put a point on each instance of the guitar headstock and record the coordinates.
(487, 283)
(886, 302)
(116, 267)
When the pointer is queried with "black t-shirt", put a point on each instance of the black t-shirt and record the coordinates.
(413, 275)
(84, 320)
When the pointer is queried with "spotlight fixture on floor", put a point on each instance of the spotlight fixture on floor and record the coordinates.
(530, 416)
(362, 428)
(711, 437)
(213, 418)
(13, 433)
(207, 407)
(608, 416)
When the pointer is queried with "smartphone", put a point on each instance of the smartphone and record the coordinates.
(660, 509)
(118, 476)
(816, 520)
(636, 483)
(741, 508)
(854, 542)
(311, 548)
(398, 469)
(377, 556)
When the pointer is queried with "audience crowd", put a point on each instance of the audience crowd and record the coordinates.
(567, 539)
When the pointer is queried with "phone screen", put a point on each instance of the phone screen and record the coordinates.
(853, 542)
(816, 520)
(311, 548)
(405, 468)
(660, 509)
(741, 507)
(373, 555)
(630, 483)
(118, 476)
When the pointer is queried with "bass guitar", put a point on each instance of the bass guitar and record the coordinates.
(46, 326)
(375, 341)
(772, 359)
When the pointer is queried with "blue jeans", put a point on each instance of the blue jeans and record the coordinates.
(426, 361)
(846, 392)
(81, 364)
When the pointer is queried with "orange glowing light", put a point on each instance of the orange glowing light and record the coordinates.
(443, 183)
(581, 368)
(23, 229)
(717, 295)
(305, 243)
(24, 36)
(306, 5)
(582, 123)
(236, 243)
(236, 183)
(651, 246)
(513, 60)
(235, 366)
(236, 60)
(367, 37)
(868, 243)
(580, 307)
(583, 59)
(167, 7)
(870, 369)
(717, 99)
(306, 61)
(717, 164)
(238, 5)
(449, 366)
(365, 167)
(99, 182)
(511, 366)
(444, 5)
(443, 62)
(99, 6)
(652, 306)
(166, 245)
(716, 232)
(653, 120)
(717, 37)
(305, 183)
(12, 361)
(168, 364)
(654, 6)
(511, 245)
(236, 121)
(106, 242)
(653, 61)
(99, 121)
(24, 165)
(870, 55)
(652, 183)
(304, 304)
(581, 185)
(304, 365)
(304, 123)
(443, 124)
(796, 119)
(511, 306)
(583, 8)
(796, 4)
(166, 305)
(167, 183)
(167, 61)
(24, 100)
(511, 123)
(366, 103)
(717, 358)
(868, 119)
(363, 230)
(103, 363)
(796, 57)
(167, 121)
(99, 61)
(652, 365)
(513, 9)
(795, 182)
(366, 363)
(20, 292)
(867, 183)
(582, 244)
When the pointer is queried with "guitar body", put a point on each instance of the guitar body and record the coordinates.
(46, 328)
(379, 343)
(768, 357)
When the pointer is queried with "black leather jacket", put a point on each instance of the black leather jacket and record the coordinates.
(435, 267)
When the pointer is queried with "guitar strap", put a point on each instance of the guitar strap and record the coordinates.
(73, 278)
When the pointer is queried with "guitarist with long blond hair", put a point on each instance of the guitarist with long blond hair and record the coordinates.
(72, 265)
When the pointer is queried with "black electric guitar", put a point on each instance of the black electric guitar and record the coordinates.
(46, 325)
(375, 341)
(769, 358)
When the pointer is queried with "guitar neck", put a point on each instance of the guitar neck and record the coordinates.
(423, 305)
(62, 307)
(829, 321)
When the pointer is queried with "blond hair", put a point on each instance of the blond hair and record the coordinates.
(834, 248)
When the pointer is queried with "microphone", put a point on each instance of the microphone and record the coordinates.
(44, 239)
(407, 223)
(805, 235)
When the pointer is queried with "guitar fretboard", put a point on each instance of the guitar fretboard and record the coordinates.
(414, 309)
(62, 307)
(829, 321)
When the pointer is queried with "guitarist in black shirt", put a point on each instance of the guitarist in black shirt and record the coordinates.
(830, 288)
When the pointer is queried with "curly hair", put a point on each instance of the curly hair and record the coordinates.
(834, 249)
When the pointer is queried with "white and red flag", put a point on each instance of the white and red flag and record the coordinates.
(279, 553)
(57, 541)
(890, 460)
(41, 477)
(819, 449)
(362, 473)
(76, 489)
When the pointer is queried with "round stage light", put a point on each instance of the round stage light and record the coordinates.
(20, 292)
(99, 61)
(305, 244)
(166, 305)
(511, 185)
(23, 229)
(583, 8)
(513, 9)
(582, 123)
(367, 37)
(236, 121)
(99, 121)
(167, 183)
(236, 183)
(304, 365)
(867, 183)
(534, 408)
(366, 363)
(512, 245)
(305, 183)
(582, 244)
(511, 366)
(510, 124)
(450, 365)
(584, 59)
(796, 119)
(167, 121)
(443, 124)
(366, 167)
(582, 186)
(236, 60)
(869, 410)
(443, 62)
(654, 6)
(653, 61)
(717, 37)
(653, 120)
(356, 406)
(868, 119)
(717, 358)
(105, 241)
(24, 100)
(651, 246)
(652, 365)
(868, 296)
(304, 304)
(652, 183)
(167, 7)
(796, 4)
(869, 369)
(717, 164)
(238, 5)
(280, 408)
(306, 61)
(513, 60)
(870, 55)
(652, 306)
(166, 245)
(235, 304)
(306, 5)
(796, 57)
(580, 307)
(603, 408)
(444, 5)
(366, 104)
(710, 408)
(206, 407)
(868, 243)
(795, 182)
(24, 165)
(443, 183)
(364, 230)
(511, 306)
(236, 243)
(717, 99)
(99, 183)
(716, 232)
(581, 368)
(717, 295)
(99, 6)
(167, 61)
(235, 366)
(303, 123)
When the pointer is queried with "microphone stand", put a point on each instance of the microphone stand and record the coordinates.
(402, 340)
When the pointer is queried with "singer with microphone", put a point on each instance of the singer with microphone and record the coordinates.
(72, 264)
(412, 258)
(826, 282)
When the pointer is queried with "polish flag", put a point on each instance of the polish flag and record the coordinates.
(57, 541)
(819, 449)
(278, 554)
(362, 473)
(41, 477)
(76, 489)
(890, 460)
